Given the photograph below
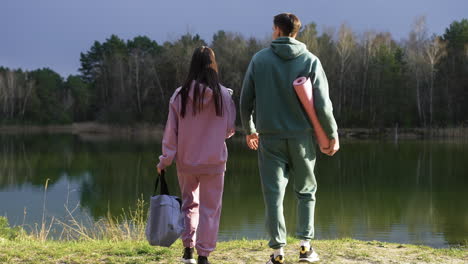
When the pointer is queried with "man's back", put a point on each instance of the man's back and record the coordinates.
(268, 83)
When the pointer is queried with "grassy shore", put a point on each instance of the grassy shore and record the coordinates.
(239, 251)
(121, 240)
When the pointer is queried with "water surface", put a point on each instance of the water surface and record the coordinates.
(410, 192)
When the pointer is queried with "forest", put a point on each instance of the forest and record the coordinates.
(375, 81)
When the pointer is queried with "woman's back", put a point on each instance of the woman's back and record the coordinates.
(201, 135)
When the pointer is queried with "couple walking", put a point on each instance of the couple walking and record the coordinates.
(202, 116)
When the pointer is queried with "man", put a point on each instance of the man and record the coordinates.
(282, 132)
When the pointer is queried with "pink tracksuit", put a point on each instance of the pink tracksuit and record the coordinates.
(197, 142)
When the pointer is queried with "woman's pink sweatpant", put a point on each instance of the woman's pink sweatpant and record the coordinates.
(201, 205)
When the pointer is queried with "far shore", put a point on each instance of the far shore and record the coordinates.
(88, 128)
(156, 131)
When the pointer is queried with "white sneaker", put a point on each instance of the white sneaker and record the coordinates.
(188, 256)
(278, 260)
(308, 255)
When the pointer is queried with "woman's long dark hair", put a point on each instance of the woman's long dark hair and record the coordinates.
(204, 71)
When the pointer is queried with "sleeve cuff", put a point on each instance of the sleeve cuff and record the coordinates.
(333, 135)
(250, 131)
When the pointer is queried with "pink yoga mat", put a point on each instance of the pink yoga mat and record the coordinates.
(303, 88)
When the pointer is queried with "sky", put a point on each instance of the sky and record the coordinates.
(52, 33)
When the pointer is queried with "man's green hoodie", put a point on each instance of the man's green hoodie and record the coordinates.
(268, 92)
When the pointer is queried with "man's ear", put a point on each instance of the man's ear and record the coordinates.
(278, 31)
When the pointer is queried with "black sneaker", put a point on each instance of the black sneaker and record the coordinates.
(188, 256)
(203, 260)
(278, 260)
(308, 255)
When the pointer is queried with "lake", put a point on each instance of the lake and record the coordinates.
(407, 192)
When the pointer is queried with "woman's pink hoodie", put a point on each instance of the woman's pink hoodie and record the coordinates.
(197, 142)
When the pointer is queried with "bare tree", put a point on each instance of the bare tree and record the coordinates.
(434, 50)
(3, 94)
(29, 86)
(11, 87)
(136, 58)
(308, 36)
(345, 47)
(367, 50)
(415, 56)
(15, 90)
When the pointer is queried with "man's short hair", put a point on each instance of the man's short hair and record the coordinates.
(288, 23)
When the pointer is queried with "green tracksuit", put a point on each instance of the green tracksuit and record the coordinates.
(287, 148)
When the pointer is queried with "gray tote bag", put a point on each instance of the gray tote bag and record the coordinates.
(165, 219)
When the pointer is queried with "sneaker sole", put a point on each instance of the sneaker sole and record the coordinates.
(189, 261)
(309, 260)
(271, 262)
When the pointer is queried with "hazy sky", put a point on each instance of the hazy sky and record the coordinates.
(52, 33)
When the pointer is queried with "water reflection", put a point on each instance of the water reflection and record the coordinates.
(411, 192)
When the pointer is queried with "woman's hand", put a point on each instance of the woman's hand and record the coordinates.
(252, 141)
(159, 170)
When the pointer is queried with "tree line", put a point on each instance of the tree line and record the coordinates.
(375, 81)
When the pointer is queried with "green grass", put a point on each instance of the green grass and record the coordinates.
(239, 251)
(16, 246)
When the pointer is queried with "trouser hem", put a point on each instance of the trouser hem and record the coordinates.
(278, 246)
(203, 252)
(188, 244)
(304, 237)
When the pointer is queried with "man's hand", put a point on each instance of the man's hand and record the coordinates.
(332, 148)
(252, 141)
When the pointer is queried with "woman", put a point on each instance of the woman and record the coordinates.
(201, 116)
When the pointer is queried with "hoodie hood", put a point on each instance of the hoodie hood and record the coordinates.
(207, 96)
(288, 48)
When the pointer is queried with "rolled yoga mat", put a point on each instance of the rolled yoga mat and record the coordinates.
(303, 88)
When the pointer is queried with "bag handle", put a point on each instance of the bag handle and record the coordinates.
(164, 189)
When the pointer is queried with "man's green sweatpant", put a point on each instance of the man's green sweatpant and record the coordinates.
(281, 159)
